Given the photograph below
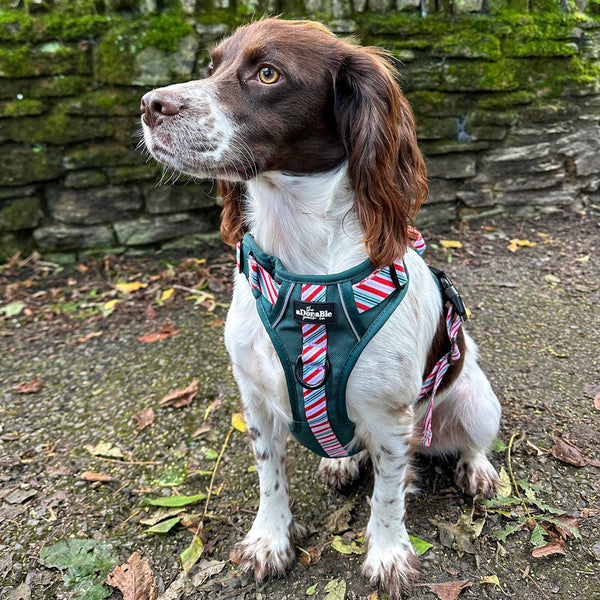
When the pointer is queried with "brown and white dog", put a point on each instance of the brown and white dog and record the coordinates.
(315, 153)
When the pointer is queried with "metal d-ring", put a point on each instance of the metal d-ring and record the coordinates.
(300, 379)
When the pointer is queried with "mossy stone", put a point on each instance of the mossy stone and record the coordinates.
(21, 213)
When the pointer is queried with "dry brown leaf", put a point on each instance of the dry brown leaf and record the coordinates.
(554, 547)
(144, 418)
(91, 476)
(449, 590)
(597, 401)
(571, 522)
(339, 520)
(167, 330)
(310, 555)
(568, 453)
(179, 398)
(28, 387)
(135, 579)
(88, 337)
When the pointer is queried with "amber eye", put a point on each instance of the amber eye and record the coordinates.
(268, 75)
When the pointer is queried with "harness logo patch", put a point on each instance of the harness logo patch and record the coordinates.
(316, 313)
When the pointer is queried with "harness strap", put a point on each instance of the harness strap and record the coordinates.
(434, 379)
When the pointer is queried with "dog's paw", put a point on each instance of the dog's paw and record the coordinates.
(266, 555)
(339, 473)
(393, 571)
(476, 474)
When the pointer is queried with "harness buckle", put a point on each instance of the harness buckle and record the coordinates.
(449, 292)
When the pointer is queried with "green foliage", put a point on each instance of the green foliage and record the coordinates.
(84, 563)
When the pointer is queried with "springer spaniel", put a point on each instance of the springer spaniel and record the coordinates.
(314, 150)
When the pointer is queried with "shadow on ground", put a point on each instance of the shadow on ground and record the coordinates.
(75, 463)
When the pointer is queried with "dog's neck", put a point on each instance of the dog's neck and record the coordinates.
(307, 221)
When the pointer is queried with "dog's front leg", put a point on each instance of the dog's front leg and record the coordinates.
(391, 562)
(268, 548)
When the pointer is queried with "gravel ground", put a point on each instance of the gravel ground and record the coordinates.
(76, 465)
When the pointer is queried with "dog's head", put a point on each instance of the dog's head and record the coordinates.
(290, 96)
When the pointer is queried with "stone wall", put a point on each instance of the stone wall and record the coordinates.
(506, 95)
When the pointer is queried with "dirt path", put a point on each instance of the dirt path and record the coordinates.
(75, 465)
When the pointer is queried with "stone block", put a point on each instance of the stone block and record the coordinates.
(29, 163)
(58, 128)
(476, 198)
(487, 132)
(95, 205)
(66, 237)
(433, 214)
(519, 153)
(20, 213)
(407, 4)
(149, 230)
(163, 199)
(442, 190)
(95, 154)
(452, 166)
(466, 6)
(583, 148)
(85, 179)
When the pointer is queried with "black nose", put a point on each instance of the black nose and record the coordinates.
(159, 104)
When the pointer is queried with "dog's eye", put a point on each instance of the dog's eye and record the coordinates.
(268, 75)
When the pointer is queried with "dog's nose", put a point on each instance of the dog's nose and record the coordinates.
(158, 104)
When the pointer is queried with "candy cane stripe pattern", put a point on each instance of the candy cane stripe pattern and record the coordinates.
(314, 354)
(261, 280)
(377, 286)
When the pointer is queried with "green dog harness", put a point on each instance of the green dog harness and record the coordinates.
(319, 325)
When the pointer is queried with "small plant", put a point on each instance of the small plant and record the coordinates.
(549, 526)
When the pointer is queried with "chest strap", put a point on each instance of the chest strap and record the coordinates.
(319, 326)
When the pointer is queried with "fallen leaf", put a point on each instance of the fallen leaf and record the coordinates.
(175, 501)
(134, 579)
(451, 244)
(597, 401)
(343, 548)
(13, 309)
(181, 397)
(554, 547)
(449, 590)
(108, 307)
(583, 259)
(28, 387)
(190, 556)
(105, 449)
(310, 555)
(164, 526)
(420, 546)
(336, 590)
(88, 337)
(132, 286)
(312, 590)
(238, 422)
(19, 496)
(568, 453)
(505, 489)
(206, 569)
(339, 520)
(515, 244)
(166, 294)
(567, 526)
(491, 579)
(460, 535)
(91, 476)
(144, 418)
(166, 331)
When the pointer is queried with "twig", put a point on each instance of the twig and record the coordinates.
(512, 475)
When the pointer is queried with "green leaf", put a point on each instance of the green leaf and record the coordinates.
(498, 446)
(84, 564)
(189, 557)
(173, 501)
(311, 591)
(161, 515)
(509, 530)
(343, 548)
(164, 526)
(13, 309)
(211, 454)
(538, 536)
(336, 590)
(420, 546)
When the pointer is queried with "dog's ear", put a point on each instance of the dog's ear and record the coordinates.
(232, 219)
(386, 168)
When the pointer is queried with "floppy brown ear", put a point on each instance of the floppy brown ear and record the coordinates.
(386, 168)
(232, 220)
